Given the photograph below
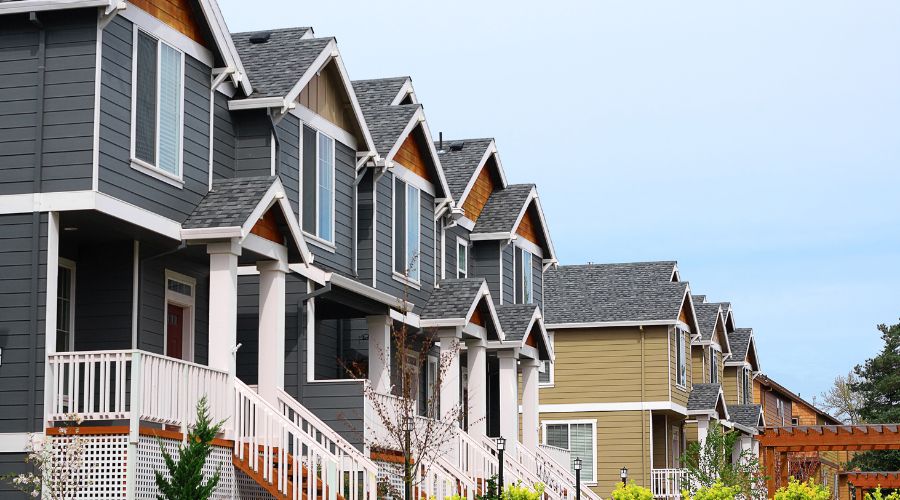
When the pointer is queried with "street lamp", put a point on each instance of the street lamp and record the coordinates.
(407, 427)
(577, 479)
(501, 445)
(624, 474)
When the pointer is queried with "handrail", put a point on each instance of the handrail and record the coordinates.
(550, 469)
(668, 483)
(512, 466)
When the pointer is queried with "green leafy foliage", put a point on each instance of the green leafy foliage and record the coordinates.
(879, 495)
(810, 490)
(185, 480)
(631, 492)
(713, 463)
(717, 491)
(520, 491)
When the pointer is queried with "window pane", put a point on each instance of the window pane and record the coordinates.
(544, 376)
(63, 310)
(413, 230)
(145, 102)
(582, 446)
(326, 188)
(558, 435)
(462, 259)
(169, 109)
(309, 181)
(527, 288)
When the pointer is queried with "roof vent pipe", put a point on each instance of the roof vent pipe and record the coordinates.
(440, 142)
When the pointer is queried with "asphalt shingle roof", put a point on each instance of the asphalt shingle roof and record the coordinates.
(502, 209)
(378, 92)
(229, 203)
(453, 299)
(703, 397)
(275, 66)
(514, 319)
(746, 415)
(386, 123)
(612, 292)
(459, 165)
(740, 343)
(707, 314)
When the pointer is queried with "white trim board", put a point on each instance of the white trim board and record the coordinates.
(14, 442)
(604, 407)
(166, 33)
(610, 324)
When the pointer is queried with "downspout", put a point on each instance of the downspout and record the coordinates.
(220, 78)
(643, 439)
(39, 105)
(276, 156)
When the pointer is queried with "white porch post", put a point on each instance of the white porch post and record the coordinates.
(380, 353)
(476, 359)
(50, 310)
(449, 339)
(223, 263)
(509, 396)
(530, 403)
(271, 328)
(702, 428)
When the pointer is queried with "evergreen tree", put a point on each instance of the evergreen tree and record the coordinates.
(878, 385)
(186, 475)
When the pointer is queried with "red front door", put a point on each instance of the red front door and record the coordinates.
(174, 331)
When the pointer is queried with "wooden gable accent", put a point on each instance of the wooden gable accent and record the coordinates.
(481, 191)
(176, 13)
(326, 96)
(412, 156)
(531, 340)
(267, 227)
(530, 225)
(686, 316)
(477, 317)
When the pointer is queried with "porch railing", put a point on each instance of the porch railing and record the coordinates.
(558, 476)
(561, 456)
(668, 483)
(514, 470)
(129, 384)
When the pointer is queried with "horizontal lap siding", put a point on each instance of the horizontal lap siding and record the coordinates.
(103, 295)
(340, 259)
(485, 256)
(509, 288)
(538, 278)
(365, 228)
(65, 126)
(13, 463)
(289, 159)
(223, 139)
(680, 394)
(253, 144)
(340, 404)
(732, 387)
(23, 270)
(117, 177)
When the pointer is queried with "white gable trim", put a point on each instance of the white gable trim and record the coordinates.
(43, 5)
(418, 118)
(226, 46)
(406, 89)
(490, 151)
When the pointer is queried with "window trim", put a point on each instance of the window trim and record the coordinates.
(530, 272)
(713, 366)
(462, 243)
(137, 163)
(189, 303)
(70, 265)
(680, 358)
(551, 337)
(317, 236)
(402, 276)
(593, 423)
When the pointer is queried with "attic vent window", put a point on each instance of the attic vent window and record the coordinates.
(260, 37)
(457, 146)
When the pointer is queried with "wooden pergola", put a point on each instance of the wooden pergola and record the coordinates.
(776, 442)
(871, 480)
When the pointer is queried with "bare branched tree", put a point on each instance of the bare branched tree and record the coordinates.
(841, 401)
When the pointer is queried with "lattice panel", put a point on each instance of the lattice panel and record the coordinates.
(102, 472)
(247, 488)
(392, 474)
(150, 459)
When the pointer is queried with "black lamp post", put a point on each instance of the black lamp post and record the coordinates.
(624, 474)
(577, 479)
(501, 445)
(407, 473)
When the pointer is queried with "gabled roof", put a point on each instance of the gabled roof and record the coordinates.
(742, 345)
(388, 123)
(504, 211)
(787, 393)
(519, 321)
(275, 66)
(462, 159)
(613, 294)
(707, 399)
(454, 303)
(381, 91)
(707, 318)
(233, 206)
(747, 415)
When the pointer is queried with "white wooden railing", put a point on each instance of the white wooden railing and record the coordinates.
(557, 476)
(667, 483)
(474, 458)
(514, 470)
(133, 385)
(561, 456)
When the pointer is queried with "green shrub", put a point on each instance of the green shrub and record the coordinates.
(878, 495)
(809, 490)
(717, 491)
(519, 491)
(631, 492)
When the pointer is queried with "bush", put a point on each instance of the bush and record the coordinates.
(519, 491)
(717, 491)
(809, 490)
(631, 492)
(877, 495)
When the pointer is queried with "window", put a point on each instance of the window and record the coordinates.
(680, 358)
(546, 375)
(713, 366)
(325, 183)
(527, 278)
(795, 420)
(779, 408)
(579, 437)
(748, 387)
(407, 230)
(65, 306)
(462, 258)
(157, 105)
(317, 186)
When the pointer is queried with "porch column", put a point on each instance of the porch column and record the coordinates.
(270, 365)
(449, 339)
(476, 359)
(380, 353)
(702, 428)
(223, 263)
(509, 396)
(530, 403)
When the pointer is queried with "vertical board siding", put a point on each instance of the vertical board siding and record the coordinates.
(224, 139)
(117, 177)
(47, 127)
(253, 143)
(485, 256)
(23, 286)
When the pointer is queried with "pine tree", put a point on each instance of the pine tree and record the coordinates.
(186, 475)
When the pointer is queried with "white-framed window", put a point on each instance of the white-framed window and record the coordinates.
(462, 258)
(546, 376)
(157, 107)
(713, 366)
(65, 306)
(779, 409)
(795, 421)
(746, 380)
(407, 230)
(680, 358)
(580, 438)
(527, 280)
(178, 336)
(325, 187)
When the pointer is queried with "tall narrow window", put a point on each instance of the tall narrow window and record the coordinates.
(462, 258)
(748, 387)
(407, 230)
(713, 366)
(157, 104)
(527, 278)
(579, 438)
(681, 367)
(413, 232)
(65, 306)
(325, 194)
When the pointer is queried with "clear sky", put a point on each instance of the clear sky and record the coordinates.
(756, 143)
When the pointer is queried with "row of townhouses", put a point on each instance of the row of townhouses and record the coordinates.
(189, 212)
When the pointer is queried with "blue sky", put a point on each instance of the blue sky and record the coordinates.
(757, 143)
